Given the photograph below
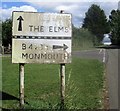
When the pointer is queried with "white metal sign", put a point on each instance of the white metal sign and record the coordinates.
(41, 38)
(41, 24)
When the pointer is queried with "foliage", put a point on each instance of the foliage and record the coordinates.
(96, 21)
(0, 32)
(114, 20)
(7, 32)
(83, 38)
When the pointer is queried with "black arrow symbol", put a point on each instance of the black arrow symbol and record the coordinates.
(58, 46)
(20, 23)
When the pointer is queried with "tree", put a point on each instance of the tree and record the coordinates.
(7, 32)
(95, 21)
(82, 38)
(0, 32)
(114, 20)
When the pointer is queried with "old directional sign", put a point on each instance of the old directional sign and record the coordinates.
(41, 37)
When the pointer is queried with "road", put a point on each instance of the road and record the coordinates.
(112, 77)
(110, 58)
(90, 54)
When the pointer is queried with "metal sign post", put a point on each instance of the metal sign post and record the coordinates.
(62, 84)
(62, 81)
(21, 86)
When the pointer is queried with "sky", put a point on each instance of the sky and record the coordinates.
(77, 8)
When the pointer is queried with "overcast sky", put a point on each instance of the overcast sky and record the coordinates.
(78, 8)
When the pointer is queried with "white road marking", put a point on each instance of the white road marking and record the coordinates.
(104, 56)
(103, 50)
(100, 51)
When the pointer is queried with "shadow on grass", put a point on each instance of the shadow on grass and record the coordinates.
(6, 96)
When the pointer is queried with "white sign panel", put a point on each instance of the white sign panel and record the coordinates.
(41, 38)
(41, 24)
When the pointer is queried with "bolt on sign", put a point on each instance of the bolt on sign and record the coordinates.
(41, 37)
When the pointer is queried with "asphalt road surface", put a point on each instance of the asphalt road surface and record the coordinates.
(90, 54)
(113, 77)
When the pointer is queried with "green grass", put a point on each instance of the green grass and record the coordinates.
(84, 83)
(82, 44)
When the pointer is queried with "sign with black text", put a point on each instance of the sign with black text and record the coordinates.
(41, 37)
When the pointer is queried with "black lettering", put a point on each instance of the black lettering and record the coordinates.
(24, 56)
(50, 29)
(60, 29)
(43, 56)
(36, 28)
(37, 56)
(66, 29)
(57, 56)
(53, 57)
(49, 56)
(31, 56)
(55, 29)
(41, 28)
(41, 47)
(30, 47)
(65, 56)
(23, 46)
(30, 26)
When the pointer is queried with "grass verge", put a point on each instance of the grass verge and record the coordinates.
(84, 83)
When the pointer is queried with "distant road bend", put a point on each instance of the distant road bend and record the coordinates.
(98, 54)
